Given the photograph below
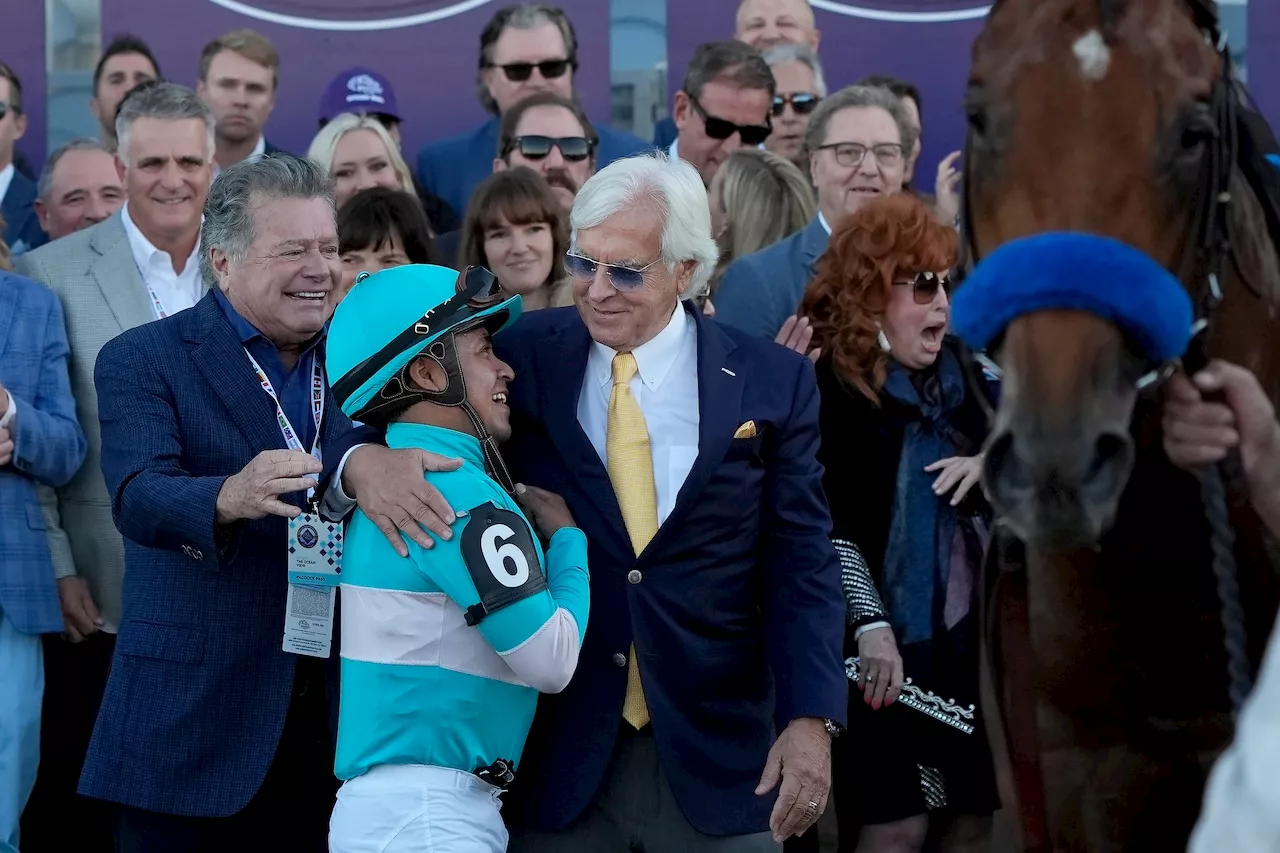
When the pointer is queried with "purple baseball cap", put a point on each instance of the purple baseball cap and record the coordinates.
(360, 91)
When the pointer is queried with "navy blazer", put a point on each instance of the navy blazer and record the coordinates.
(760, 291)
(452, 168)
(48, 448)
(22, 231)
(199, 686)
(737, 618)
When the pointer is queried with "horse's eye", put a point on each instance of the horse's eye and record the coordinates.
(1197, 127)
(975, 109)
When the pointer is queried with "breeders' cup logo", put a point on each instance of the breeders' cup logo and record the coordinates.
(363, 89)
(345, 16)
(307, 536)
(907, 11)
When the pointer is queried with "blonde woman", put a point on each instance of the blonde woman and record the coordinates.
(359, 153)
(757, 198)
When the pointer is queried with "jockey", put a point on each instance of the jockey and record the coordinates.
(444, 652)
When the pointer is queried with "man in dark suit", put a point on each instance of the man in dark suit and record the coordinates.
(711, 677)
(858, 141)
(22, 230)
(239, 73)
(527, 48)
(40, 442)
(213, 421)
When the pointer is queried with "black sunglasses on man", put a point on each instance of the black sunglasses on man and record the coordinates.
(550, 69)
(719, 128)
(574, 149)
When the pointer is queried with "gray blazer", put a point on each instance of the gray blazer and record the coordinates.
(760, 291)
(97, 280)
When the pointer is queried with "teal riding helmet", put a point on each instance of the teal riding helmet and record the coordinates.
(391, 317)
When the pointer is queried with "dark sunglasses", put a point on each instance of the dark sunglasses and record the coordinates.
(924, 287)
(518, 72)
(622, 278)
(802, 102)
(572, 148)
(719, 128)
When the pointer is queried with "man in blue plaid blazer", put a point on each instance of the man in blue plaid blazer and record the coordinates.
(40, 442)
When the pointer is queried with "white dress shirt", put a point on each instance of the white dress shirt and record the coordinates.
(666, 388)
(175, 291)
(6, 178)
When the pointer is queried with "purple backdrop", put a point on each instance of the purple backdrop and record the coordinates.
(1263, 58)
(22, 49)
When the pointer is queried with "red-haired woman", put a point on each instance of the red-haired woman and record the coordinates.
(901, 437)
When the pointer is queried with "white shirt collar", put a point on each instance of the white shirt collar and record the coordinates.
(655, 357)
(144, 251)
(6, 178)
(259, 150)
(822, 220)
(673, 150)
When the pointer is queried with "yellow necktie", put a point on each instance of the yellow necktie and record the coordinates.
(631, 471)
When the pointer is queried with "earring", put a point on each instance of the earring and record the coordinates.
(883, 339)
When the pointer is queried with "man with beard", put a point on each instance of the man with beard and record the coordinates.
(549, 134)
(239, 72)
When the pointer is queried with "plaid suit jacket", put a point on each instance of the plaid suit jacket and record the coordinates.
(48, 448)
(199, 686)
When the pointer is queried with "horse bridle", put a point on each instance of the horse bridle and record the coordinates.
(1211, 226)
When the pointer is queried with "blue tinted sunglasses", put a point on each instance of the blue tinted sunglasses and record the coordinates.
(622, 278)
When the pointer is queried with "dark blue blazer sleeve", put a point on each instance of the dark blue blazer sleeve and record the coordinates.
(805, 618)
(154, 501)
(748, 301)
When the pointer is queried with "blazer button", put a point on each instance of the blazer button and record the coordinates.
(634, 576)
(619, 659)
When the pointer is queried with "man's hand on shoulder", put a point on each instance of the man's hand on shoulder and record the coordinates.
(390, 490)
(255, 491)
(801, 760)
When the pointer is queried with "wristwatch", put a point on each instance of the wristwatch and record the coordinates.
(833, 728)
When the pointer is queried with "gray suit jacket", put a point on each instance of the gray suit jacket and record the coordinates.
(760, 291)
(97, 280)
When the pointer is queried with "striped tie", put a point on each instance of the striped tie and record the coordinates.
(631, 470)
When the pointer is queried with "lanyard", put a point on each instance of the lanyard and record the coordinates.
(161, 314)
(317, 407)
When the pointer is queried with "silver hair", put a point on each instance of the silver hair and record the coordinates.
(781, 54)
(239, 189)
(162, 100)
(82, 144)
(855, 97)
(673, 191)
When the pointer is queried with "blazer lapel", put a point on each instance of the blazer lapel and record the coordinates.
(8, 306)
(221, 358)
(813, 243)
(117, 276)
(720, 378)
(562, 370)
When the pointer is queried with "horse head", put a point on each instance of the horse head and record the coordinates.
(1094, 117)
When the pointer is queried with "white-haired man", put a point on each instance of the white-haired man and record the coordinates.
(685, 450)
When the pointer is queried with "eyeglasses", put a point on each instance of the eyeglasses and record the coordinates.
(518, 72)
(719, 128)
(924, 287)
(572, 148)
(622, 278)
(853, 153)
(802, 102)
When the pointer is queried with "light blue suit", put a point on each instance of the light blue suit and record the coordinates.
(48, 448)
(760, 291)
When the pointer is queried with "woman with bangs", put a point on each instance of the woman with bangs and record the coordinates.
(515, 228)
(381, 228)
(902, 433)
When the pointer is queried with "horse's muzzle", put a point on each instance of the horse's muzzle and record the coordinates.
(1058, 492)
